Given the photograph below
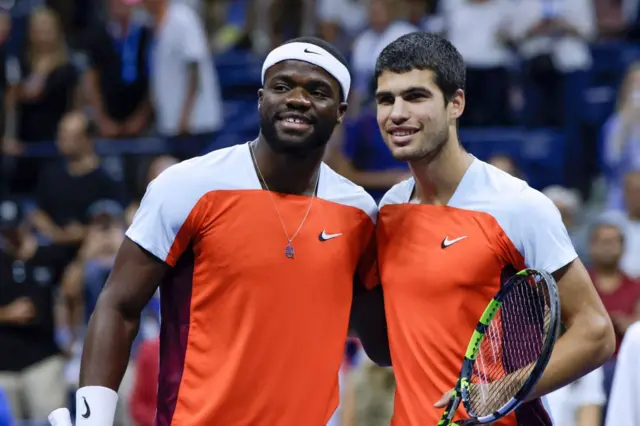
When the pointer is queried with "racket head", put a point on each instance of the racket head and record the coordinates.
(511, 346)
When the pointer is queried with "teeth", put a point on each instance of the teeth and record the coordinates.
(294, 120)
(403, 133)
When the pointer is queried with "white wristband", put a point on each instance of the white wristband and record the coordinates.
(95, 406)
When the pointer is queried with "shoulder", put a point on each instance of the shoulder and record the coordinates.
(400, 193)
(341, 190)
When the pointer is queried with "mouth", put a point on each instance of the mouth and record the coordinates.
(401, 135)
(294, 121)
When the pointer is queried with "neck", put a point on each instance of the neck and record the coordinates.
(437, 178)
(608, 278)
(82, 164)
(286, 173)
(158, 13)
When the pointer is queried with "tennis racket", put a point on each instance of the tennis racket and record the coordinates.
(509, 349)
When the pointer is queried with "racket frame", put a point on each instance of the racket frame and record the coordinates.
(461, 390)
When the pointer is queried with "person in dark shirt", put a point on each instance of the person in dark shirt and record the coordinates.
(31, 365)
(117, 79)
(66, 190)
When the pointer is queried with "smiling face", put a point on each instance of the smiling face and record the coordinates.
(414, 117)
(300, 105)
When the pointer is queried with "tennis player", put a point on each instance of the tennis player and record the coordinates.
(255, 248)
(448, 237)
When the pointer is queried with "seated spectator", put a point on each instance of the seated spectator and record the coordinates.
(340, 21)
(31, 364)
(624, 408)
(117, 78)
(580, 403)
(47, 89)
(552, 38)
(629, 220)
(383, 28)
(361, 155)
(479, 30)
(67, 189)
(374, 389)
(619, 293)
(621, 137)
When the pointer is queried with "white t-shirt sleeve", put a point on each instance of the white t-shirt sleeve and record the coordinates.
(162, 214)
(624, 399)
(540, 236)
(194, 40)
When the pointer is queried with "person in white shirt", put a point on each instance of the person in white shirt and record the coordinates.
(184, 84)
(624, 400)
(580, 403)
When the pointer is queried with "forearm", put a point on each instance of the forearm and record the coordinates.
(107, 346)
(369, 322)
(585, 346)
(590, 415)
(94, 96)
(192, 92)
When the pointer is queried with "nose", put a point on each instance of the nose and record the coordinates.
(297, 99)
(399, 112)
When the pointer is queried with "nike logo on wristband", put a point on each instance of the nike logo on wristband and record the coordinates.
(88, 410)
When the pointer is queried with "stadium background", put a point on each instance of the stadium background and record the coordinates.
(557, 105)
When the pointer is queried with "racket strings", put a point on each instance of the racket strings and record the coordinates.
(513, 341)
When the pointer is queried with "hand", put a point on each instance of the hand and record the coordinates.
(20, 311)
(183, 127)
(109, 128)
(33, 87)
(444, 400)
(12, 147)
(134, 125)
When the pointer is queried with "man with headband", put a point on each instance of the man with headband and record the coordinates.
(255, 248)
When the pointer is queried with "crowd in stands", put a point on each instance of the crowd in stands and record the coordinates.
(101, 96)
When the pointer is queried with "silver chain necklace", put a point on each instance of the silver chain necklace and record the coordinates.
(289, 252)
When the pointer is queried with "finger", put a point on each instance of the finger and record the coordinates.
(443, 401)
(60, 417)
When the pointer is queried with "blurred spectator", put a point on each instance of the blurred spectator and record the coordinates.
(609, 18)
(360, 154)
(552, 38)
(621, 136)
(31, 367)
(66, 190)
(184, 84)
(117, 79)
(569, 204)
(340, 21)
(384, 27)
(623, 402)
(619, 293)
(629, 220)
(157, 166)
(505, 163)
(479, 30)
(145, 389)
(425, 14)
(374, 393)
(580, 403)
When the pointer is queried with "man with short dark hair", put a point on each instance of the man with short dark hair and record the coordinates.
(450, 235)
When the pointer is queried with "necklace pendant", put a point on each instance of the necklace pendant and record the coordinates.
(289, 252)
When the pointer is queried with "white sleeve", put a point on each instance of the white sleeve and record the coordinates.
(194, 40)
(624, 399)
(540, 236)
(161, 216)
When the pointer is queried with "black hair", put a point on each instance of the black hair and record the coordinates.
(334, 51)
(425, 51)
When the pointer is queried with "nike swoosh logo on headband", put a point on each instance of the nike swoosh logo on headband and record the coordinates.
(309, 51)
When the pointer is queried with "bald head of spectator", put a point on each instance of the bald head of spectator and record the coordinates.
(632, 194)
(505, 163)
(159, 165)
(73, 136)
(567, 201)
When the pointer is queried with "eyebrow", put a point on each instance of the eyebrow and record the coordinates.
(313, 82)
(405, 92)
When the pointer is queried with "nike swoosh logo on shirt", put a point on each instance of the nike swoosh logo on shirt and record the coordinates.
(324, 236)
(447, 242)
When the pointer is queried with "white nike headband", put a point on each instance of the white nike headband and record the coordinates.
(312, 54)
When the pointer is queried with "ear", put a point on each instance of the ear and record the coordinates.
(260, 97)
(457, 103)
(342, 110)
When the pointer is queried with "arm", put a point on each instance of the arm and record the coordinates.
(589, 339)
(114, 323)
(193, 72)
(369, 322)
(589, 415)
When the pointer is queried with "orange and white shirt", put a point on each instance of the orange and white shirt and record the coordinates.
(441, 265)
(249, 336)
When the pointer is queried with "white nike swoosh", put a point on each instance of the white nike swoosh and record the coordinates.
(325, 236)
(447, 242)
